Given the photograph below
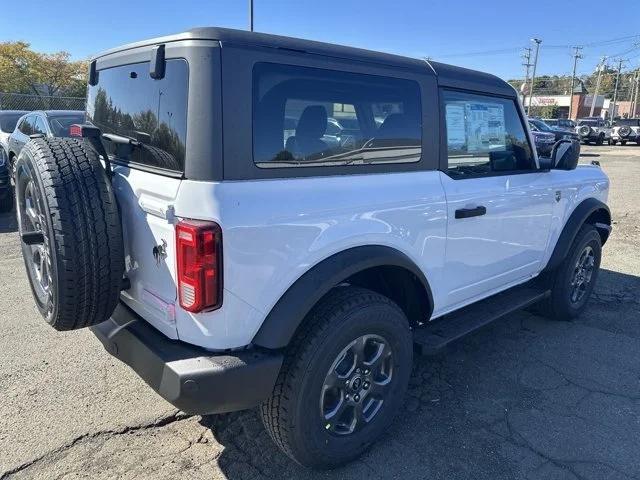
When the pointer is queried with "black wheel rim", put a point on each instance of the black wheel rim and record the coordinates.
(356, 385)
(582, 274)
(33, 233)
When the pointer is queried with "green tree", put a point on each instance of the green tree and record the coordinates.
(23, 70)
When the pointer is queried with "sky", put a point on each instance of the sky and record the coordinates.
(487, 35)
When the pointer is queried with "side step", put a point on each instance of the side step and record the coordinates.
(436, 335)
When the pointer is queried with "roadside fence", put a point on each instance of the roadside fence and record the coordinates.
(22, 101)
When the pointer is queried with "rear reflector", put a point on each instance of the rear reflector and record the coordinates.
(199, 252)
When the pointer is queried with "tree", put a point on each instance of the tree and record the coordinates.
(23, 70)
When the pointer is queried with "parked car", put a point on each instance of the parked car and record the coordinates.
(562, 123)
(594, 129)
(626, 130)
(8, 119)
(241, 269)
(544, 141)
(558, 133)
(47, 123)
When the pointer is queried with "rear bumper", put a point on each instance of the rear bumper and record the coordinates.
(191, 378)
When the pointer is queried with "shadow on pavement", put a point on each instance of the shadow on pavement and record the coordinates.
(523, 398)
(8, 222)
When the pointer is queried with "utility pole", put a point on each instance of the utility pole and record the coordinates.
(251, 15)
(526, 56)
(576, 56)
(595, 95)
(634, 93)
(615, 89)
(533, 77)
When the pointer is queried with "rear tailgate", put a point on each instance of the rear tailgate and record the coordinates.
(145, 119)
(146, 204)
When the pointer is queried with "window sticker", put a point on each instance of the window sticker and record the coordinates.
(456, 130)
(485, 126)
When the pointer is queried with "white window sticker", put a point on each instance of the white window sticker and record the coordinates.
(485, 126)
(456, 130)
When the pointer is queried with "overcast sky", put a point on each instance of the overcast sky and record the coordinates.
(485, 34)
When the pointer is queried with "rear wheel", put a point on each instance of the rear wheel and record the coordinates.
(573, 281)
(344, 378)
(70, 230)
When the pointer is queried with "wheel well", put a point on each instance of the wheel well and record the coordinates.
(401, 286)
(601, 219)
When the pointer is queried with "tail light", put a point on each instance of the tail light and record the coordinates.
(199, 252)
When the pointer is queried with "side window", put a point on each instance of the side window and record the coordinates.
(485, 136)
(26, 126)
(313, 117)
(38, 125)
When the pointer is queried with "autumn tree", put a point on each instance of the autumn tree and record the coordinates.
(23, 70)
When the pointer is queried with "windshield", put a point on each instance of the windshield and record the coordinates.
(591, 123)
(540, 125)
(630, 122)
(60, 123)
(8, 121)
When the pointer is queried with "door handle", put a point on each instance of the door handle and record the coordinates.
(471, 212)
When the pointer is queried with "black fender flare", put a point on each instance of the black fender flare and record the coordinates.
(285, 317)
(589, 208)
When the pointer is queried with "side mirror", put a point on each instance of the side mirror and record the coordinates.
(546, 163)
(564, 155)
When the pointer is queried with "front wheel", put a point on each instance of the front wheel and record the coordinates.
(573, 281)
(343, 379)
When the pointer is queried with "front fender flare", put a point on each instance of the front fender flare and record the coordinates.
(281, 323)
(579, 216)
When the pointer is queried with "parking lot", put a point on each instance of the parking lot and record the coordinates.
(525, 398)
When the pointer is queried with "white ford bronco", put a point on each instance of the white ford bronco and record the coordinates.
(251, 220)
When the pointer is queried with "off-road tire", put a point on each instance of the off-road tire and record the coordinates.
(81, 225)
(292, 415)
(559, 305)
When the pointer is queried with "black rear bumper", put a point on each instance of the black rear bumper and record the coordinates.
(191, 378)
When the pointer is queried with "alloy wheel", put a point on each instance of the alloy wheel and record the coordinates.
(356, 385)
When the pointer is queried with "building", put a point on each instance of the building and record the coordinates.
(581, 104)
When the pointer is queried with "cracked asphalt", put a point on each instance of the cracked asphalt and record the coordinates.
(523, 399)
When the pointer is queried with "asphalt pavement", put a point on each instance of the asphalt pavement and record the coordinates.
(526, 398)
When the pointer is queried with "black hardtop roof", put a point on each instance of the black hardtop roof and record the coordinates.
(448, 75)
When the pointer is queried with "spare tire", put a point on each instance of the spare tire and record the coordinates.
(70, 230)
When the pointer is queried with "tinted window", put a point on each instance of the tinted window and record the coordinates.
(591, 123)
(26, 126)
(485, 135)
(39, 125)
(553, 123)
(128, 102)
(8, 121)
(60, 124)
(630, 122)
(313, 117)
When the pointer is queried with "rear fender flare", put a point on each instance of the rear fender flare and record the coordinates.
(285, 317)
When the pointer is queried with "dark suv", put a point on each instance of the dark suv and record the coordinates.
(48, 123)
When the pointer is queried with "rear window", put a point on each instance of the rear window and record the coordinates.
(128, 102)
(629, 122)
(60, 123)
(313, 117)
(8, 121)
